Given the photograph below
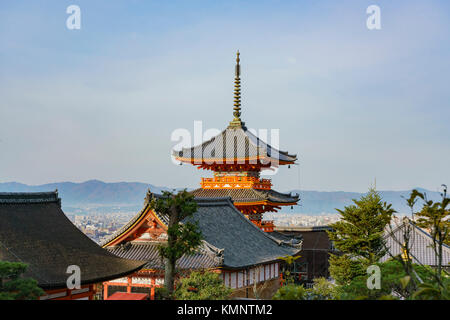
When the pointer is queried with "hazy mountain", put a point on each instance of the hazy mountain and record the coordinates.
(90, 192)
(131, 195)
(316, 202)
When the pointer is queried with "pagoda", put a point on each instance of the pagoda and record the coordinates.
(237, 156)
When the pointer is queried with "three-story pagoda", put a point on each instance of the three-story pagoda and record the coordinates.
(237, 156)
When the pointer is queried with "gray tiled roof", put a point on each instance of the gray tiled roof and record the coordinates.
(26, 197)
(35, 231)
(234, 143)
(148, 251)
(246, 195)
(294, 240)
(420, 245)
(243, 243)
(236, 241)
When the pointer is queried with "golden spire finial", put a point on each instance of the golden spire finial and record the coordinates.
(237, 95)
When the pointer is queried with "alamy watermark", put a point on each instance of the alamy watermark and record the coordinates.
(73, 22)
(374, 279)
(74, 280)
(373, 21)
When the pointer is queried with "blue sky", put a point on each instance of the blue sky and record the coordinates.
(101, 102)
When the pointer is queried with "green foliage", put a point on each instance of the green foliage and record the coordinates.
(323, 290)
(343, 268)
(202, 286)
(394, 282)
(434, 216)
(13, 286)
(288, 276)
(183, 238)
(291, 292)
(432, 290)
(360, 229)
(358, 236)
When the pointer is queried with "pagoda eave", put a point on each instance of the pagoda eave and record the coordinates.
(264, 203)
(234, 164)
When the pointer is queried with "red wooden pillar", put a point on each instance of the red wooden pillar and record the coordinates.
(281, 278)
(92, 289)
(105, 291)
(152, 290)
(129, 285)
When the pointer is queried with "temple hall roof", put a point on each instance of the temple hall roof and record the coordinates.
(34, 230)
(148, 251)
(421, 244)
(230, 240)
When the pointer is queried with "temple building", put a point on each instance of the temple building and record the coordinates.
(34, 230)
(237, 156)
(316, 250)
(421, 242)
(232, 246)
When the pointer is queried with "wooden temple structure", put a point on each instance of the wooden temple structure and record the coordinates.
(316, 250)
(34, 230)
(237, 156)
(232, 246)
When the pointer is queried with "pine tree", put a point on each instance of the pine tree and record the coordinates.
(13, 286)
(183, 238)
(202, 285)
(358, 236)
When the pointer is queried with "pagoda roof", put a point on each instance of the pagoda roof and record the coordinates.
(248, 195)
(234, 144)
(230, 240)
(34, 230)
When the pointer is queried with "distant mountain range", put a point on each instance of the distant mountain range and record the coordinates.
(131, 195)
(90, 192)
(316, 202)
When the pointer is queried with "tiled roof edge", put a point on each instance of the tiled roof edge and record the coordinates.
(29, 197)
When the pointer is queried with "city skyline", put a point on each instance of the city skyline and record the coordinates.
(101, 102)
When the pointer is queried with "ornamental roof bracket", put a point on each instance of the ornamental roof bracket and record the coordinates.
(216, 253)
